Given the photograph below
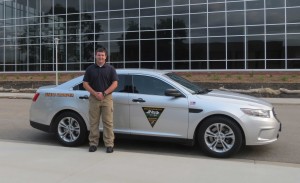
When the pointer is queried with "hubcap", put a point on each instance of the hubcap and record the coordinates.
(68, 129)
(219, 137)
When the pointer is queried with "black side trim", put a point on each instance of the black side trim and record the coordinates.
(40, 126)
(191, 110)
(188, 142)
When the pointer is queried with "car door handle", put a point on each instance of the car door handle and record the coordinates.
(138, 100)
(84, 97)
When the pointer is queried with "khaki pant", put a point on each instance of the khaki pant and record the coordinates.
(104, 109)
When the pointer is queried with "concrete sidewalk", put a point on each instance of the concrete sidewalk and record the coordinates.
(294, 101)
(32, 163)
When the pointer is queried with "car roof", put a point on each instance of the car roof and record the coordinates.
(141, 71)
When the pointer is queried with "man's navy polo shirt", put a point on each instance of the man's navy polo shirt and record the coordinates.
(100, 78)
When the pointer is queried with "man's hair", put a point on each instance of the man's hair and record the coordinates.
(101, 49)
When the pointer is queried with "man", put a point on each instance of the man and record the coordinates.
(101, 79)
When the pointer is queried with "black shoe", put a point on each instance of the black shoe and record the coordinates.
(92, 148)
(109, 149)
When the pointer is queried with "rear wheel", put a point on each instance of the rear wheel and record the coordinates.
(70, 129)
(220, 137)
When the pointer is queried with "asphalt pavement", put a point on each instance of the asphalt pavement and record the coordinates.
(29, 162)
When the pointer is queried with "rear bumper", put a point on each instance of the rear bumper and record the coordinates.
(40, 126)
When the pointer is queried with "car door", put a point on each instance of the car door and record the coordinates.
(121, 109)
(154, 114)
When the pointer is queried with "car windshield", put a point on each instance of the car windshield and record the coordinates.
(191, 87)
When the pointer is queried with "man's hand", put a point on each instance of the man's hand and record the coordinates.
(99, 96)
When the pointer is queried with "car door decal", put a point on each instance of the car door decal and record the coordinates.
(152, 114)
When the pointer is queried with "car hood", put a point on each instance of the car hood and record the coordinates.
(238, 97)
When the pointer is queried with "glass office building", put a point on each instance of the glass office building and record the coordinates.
(156, 34)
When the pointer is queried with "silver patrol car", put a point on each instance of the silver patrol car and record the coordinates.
(160, 105)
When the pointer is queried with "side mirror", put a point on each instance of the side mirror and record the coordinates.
(173, 93)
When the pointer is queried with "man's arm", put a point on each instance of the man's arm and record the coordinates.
(98, 95)
(112, 87)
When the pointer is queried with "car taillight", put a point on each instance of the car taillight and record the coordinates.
(35, 97)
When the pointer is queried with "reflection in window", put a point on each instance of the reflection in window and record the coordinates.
(87, 52)
(235, 18)
(116, 51)
(217, 48)
(180, 21)
(73, 54)
(275, 16)
(181, 65)
(198, 8)
(235, 30)
(255, 47)
(275, 47)
(115, 5)
(216, 7)
(132, 13)
(293, 64)
(147, 23)
(21, 55)
(236, 64)
(293, 28)
(131, 4)
(235, 47)
(73, 27)
(101, 5)
(147, 50)
(147, 12)
(180, 9)
(132, 24)
(164, 11)
(292, 15)
(255, 29)
(164, 22)
(164, 49)
(181, 49)
(199, 65)
(257, 4)
(116, 14)
(154, 86)
(293, 46)
(235, 5)
(255, 64)
(275, 29)
(132, 51)
(275, 64)
(34, 54)
(116, 25)
(274, 3)
(216, 31)
(147, 3)
(87, 6)
(217, 65)
(216, 19)
(59, 7)
(198, 20)
(255, 17)
(199, 49)
(73, 6)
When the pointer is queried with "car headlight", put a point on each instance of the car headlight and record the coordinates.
(257, 112)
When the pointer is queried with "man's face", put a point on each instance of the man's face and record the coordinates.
(100, 58)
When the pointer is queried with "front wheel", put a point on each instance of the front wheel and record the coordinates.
(220, 137)
(70, 129)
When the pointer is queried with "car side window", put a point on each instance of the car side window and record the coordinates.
(150, 85)
(124, 84)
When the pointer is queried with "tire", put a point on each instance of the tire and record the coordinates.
(220, 137)
(70, 129)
